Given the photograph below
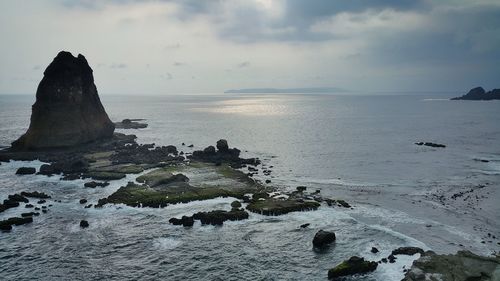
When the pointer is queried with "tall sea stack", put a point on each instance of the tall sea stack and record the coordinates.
(67, 111)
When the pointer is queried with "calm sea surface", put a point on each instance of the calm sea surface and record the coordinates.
(334, 143)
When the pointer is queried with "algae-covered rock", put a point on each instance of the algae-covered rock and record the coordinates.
(462, 266)
(276, 207)
(354, 265)
(105, 176)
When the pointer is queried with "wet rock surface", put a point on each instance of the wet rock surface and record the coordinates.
(462, 266)
(352, 266)
(25, 171)
(276, 207)
(430, 144)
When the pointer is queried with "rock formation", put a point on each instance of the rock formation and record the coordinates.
(479, 93)
(67, 111)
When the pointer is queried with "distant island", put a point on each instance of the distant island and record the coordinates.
(479, 93)
(313, 90)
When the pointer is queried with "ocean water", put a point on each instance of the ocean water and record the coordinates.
(360, 148)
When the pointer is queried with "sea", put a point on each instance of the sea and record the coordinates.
(360, 148)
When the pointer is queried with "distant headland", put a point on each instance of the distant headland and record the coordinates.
(312, 90)
(479, 93)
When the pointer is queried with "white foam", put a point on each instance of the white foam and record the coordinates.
(394, 271)
(166, 243)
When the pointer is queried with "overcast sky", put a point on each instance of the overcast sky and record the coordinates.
(169, 47)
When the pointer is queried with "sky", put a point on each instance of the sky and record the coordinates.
(174, 47)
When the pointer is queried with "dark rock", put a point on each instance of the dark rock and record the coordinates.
(18, 198)
(374, 250)
(67, 111)
(35, 194)
(130, 124)
(184, 221)
(479, 93)
(462, 266)
(222, 146)
(305, 225)
(47, 169)
(94, 184)
(384, 260)
(41, 201)
(354, 265)
(409, 251)
(84, 224)
(268, 181)
(25, 171)
(277, 207)
(323, 239)
(218, 217)
(191, 145)
(236, 204)
(391, 258)
(88, 206)
(28, 206)
(30, 214)
(431, 144)
(301, 188)
(83, 201)
(6, 225)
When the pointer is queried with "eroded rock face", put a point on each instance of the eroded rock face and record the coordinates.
(67, 111)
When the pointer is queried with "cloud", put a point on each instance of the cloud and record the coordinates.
(118, 65)
(243, 64)
(179, 63)
(167, 76)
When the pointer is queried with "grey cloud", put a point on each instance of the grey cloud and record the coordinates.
(118, 65)
(179, 63)
(243, 64)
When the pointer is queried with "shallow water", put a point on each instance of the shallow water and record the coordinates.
(359, 147)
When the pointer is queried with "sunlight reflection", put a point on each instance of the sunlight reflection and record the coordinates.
(253, 107)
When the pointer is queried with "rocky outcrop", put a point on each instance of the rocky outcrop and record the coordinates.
(67, 111)
(479, 93)
(130, 124)
(462, 266)
(323, 238)
(223, 154)
(430, 144)
(354, 265)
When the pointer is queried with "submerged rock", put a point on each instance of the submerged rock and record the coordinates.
(323, 238)
(6, 225)
(462, 266)
(35, 194)
(67, 111)
(354, 265)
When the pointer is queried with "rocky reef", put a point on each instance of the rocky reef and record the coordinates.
(479, 93)
(352, 266)
(131, 124)
(462, 266)
(67, 111)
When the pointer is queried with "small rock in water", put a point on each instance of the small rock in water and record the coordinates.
(323, 239)
(301, 188)
(83, 201)
(305, 225)
(374, 250)
(25, 171)
(84, 224)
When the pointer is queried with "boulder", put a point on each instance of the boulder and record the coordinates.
(35, 194)
(25, 171)
(354, 265)
(222, 146)
(323, 238)
(84, 224)
(67, 111)
(218, 217)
